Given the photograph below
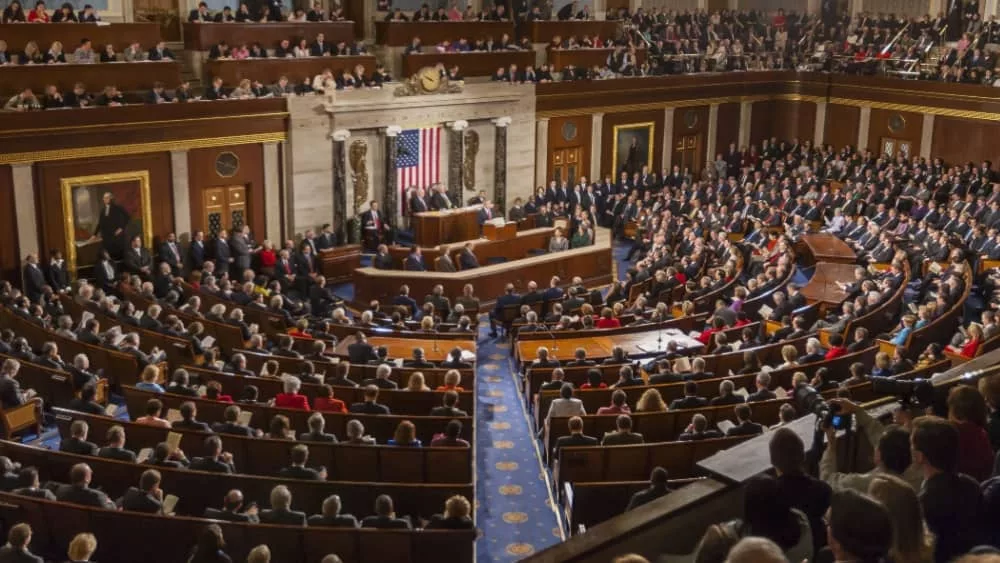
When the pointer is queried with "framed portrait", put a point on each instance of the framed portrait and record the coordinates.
(104, 212)
(633, 148)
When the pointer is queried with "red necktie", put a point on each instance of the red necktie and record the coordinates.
(288, 270)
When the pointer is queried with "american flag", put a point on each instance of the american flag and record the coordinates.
(418, 162)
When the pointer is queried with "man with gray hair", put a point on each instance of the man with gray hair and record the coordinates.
(281, 509)
(763, 392)
(382, 379)
(754, 549)
(331, 516)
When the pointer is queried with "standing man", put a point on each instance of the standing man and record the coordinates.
(375, 226)
(239, 245)
(196, 252)
(223, 257)
(171, 254)
(34, 279)
(111, 227)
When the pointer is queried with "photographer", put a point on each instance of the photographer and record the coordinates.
(891, 452)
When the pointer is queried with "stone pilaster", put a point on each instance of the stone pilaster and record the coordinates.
(390, 201)
(456, 152)
(500, 166)
(541, 151)
(667, 152)
(746, 111)
(865, 122)
(927, 135)
(340, 214)
(24, 204)
(713, 133)
(596, 140)
(272, 191)
(180, 186)
(819, 127)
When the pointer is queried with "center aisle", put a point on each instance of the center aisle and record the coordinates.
(513, 505)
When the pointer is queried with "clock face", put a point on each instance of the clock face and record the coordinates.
(227, 164)
(896, 123)
(429, 78)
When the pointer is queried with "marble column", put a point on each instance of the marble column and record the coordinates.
(541, 151)
(989, 9)
(927, 136)
(456, 152)
(272, 190)
(600, 9)
(24, 205)
(596, 140)
(746, 111)
(390, 199)
(863, 126)
(180, 186)
(713, 133)
(340, 215)
(819, 126)
(500, 163)
(667, 151)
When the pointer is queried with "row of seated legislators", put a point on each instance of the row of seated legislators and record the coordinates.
(497, 12)
(84, 53)
(480, 45)
(266, 14)
(288, 49)
(15, 13)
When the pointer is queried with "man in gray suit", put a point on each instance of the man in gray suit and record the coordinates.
(445, 263)
(239, 244)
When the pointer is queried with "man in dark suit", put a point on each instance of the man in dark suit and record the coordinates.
(623, 435)
(370, 405)
(360, 352)
(744, 426)
(507, 299)
(319, 46)
(188, 420)
(18, 541)
(170, 253)
(281, 509)
(382, 259)
(231, 507)
(657, 488)
(576, 437)
(467, 258)
(298, 469)
(317, 424)
(331, 516)
(385, 516)
(404, 299)
(77, 443)
(111, 226)
(214, 460)
(116, 446)
(691, 400)
(326, 239)
(105, 273)
(239, 246)
(444, 263)
(486, 213)
(440, 199)
(418, 201)
(415, 260)
(196, 251)
(137, 259)
(698, 430)
(231, 424)
(148, 497)
(79, 491)
(449, 408)
(763, 392)
(418, 360)
(34, 278)
(56, 273)
(375, 226)
(221, 253)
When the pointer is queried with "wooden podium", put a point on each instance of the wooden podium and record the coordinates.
(506, 232)
(431, 228)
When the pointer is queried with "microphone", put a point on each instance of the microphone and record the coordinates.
(552, 336)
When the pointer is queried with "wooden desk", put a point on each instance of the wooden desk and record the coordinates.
(431, 228)
(585, 58)
(337, 264)
(120, 35)
(823, 289)
(636, 344)
(203, 36)
(477, 63)
(593, 263)
(400, 34)
(824, 247)
(506, 232)
(512, 249)
(127, 76)
(269, 71)
(544, 31)
(434, 350)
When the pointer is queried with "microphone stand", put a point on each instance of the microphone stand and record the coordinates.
(552, 336)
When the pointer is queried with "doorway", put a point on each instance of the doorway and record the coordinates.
(687, 153)
(565, 164)
(223, 207)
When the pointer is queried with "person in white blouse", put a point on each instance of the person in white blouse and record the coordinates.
(565, 405)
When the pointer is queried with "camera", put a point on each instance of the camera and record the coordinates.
(916, 392)
(808, 400)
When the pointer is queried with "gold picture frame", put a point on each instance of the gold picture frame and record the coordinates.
(623, 135)
(71, 226)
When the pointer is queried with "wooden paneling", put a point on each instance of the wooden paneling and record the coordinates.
(960, 140)
(611, 120)
(202, 175)
(793, 119)
(562, 127)
(128, 77)
(9, 251)
(912, 127)
(477, 63)
(842, 124)
(201, 37)
(728, 127)
(121, 35)
(49, 174)
(400, 34)
(761, 115)
(544, 31)
(691, 121)
(268, 71)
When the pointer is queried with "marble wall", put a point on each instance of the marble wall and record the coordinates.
(365, 114)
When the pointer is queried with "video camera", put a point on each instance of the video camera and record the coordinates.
(913, 392)
(808, 400)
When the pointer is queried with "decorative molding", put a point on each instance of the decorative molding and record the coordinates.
(140, 148)
(392, 131)
(469, 159)
(358, 157)
(105, 126)
(680, 104)
(502, 121)
(459, 125)
(944, 112)
(340, 135)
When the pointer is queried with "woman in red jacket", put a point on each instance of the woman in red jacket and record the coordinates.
(608, 319)
(327, 403)
(291, 398)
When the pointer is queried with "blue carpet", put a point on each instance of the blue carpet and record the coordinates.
(803, 275)
(344, 291)
(514, 509)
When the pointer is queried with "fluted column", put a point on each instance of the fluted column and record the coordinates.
(926, 136)
(819, 127)
(746, 111)
(180, 188)
(456, 151)
(340, 216)
(541, 151)
(390, 199)
(500, 165)
(596, 127)
(864, 124)
(24, 204)
(667, 154)
(713, 133)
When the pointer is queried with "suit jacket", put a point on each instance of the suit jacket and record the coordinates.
(695, 436)
(34, 281)
(647, 495)
(441, 201)
(229, 516)
(212, 465)
(382, 262)
(78, 447)
(369, 408)
(386, 523)
(414, 264)
(83, 495)
(286, 517)
(573, 440)
(444, 264)
(295, 472)
(196, 255)
(135, 261)
(338, 521)
(620, 439)
(361, 353)
(746, 429)
(467, 260)
(136, 500)
(9, 554)
(688, 403)
(121, 454)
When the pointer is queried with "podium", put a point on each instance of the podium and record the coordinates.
(506, 232)
(432, 228)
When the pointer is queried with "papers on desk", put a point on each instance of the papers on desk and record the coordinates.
(398, 362)
(144, 455)
(169, 503)
(742, 392)
(468, 356)
(765, 311)
(207, 342)
(497, 222)
(202, 390)
(244, 418)
(780, 393)
(725, 426)
(174, 440)
(682, 364)
(117, 340)
(111, 409)
(84, 318)
(173, 415)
